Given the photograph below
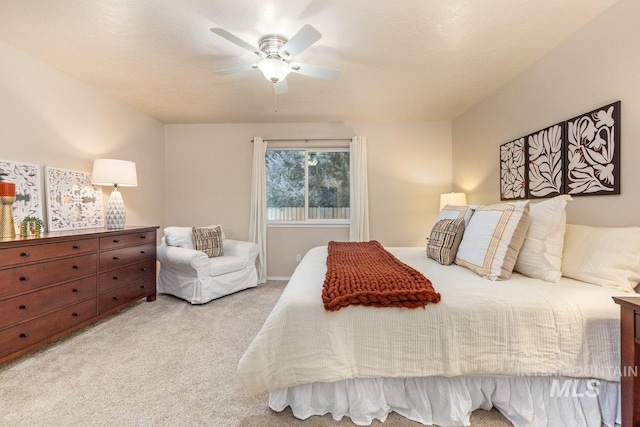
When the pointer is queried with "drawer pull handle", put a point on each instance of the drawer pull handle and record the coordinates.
(25, 254)
(116, 241)
(23, 307)
(143, 252)
(116, 298)
(143, 236)
(75, 314)
(76, 267)
(76, 247)
(115, 258)
(143, 269)
(75, 290)
(24, 335)
(24, 278)
(142, 287)
(115, 277)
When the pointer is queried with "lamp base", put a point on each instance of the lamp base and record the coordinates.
(116, 214)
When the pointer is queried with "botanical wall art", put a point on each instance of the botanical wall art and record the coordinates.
(593, 152)
(513, 179)
(544, 161)
(72, 201)
(579, 157)
(26, 177)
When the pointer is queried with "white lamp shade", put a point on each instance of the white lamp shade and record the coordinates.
(114, 172)
(274, 70)
(452, 199)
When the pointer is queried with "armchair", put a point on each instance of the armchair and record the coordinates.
(191, 275)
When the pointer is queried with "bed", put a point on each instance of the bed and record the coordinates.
(543, 354)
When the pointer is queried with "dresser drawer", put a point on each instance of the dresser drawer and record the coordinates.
(117, 278)
(123, 256)
(107, 243)
(28, 254)
(38, 329)
(131, 292)
(31, 277)
(637, 326)
(33, 304)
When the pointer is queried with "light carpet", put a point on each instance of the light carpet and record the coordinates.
(166, 363)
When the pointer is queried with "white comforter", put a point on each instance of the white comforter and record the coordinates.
(519, 327)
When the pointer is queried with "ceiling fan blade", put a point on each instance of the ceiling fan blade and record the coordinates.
(314, 71)
(300, 41)
(237, 41)
(281, 87)
(240, 69)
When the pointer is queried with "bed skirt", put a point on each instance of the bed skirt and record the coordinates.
(525, 401)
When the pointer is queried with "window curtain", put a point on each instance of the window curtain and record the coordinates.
(258, 222)
(359, 191)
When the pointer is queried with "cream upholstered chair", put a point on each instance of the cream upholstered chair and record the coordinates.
(191, 275)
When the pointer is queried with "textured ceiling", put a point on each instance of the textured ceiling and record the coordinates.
(403, 60)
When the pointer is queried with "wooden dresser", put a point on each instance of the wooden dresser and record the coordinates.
(630, 359)
(53, 285)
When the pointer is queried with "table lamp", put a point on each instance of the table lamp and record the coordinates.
(452, 199)
(117, 173)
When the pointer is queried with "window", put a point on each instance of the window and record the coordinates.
(308, 186)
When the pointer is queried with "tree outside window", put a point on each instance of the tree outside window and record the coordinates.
(307, 185)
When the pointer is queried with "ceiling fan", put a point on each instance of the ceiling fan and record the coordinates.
(277, 54)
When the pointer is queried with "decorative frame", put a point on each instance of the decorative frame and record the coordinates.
(27, 178)
(593, 152)
(513, 170)
(72, 201)
(545, 162)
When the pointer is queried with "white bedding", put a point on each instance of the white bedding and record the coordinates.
(518, 327)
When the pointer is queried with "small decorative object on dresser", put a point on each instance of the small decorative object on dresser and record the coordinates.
(63, 281)
(31, 227)
(630, 359)
(7, 197)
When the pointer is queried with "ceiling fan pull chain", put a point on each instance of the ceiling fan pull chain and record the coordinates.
(275, 102)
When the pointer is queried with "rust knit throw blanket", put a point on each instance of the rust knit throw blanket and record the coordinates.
(365, 273)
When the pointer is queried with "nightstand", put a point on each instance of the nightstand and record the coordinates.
(630, 359)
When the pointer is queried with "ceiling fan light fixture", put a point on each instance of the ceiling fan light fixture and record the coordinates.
(273, 69)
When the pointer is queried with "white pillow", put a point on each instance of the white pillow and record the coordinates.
(182, 237)
(491, 242)
(457, 212)
(603, 256)
(541, 254)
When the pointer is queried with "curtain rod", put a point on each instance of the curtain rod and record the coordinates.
(305, 139)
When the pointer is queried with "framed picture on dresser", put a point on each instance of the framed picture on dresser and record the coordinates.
(72, 201)
(26, 177)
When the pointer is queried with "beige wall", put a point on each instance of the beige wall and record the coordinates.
(597, 65)
(49, 118)
(208, 180)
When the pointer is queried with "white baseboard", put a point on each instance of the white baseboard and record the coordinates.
(278, 278)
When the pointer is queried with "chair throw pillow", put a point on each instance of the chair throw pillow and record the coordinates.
(182, 237)
(208, 240)
(444, 240)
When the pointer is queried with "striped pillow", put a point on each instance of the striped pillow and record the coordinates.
(444, 240)
(493, 239)
(208, 240)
